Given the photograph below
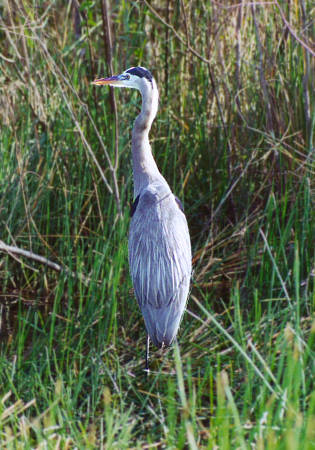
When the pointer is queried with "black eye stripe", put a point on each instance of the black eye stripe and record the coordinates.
(141, 73)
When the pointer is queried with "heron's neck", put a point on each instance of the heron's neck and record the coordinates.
(145, 170)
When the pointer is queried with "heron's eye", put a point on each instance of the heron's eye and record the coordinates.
(127, 77)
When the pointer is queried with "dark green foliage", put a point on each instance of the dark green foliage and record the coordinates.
(234, 138)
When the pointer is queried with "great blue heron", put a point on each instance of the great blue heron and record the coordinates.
(159, 242)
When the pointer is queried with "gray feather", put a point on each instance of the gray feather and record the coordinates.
(160, 261)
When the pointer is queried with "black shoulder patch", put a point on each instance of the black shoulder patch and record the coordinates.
(141, 72)
(133, 206)
(179, 204)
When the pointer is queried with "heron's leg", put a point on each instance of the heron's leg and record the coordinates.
(147, 354)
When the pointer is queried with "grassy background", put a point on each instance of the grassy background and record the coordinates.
(235, 139)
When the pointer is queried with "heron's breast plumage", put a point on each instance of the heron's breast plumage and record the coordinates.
(160, 257)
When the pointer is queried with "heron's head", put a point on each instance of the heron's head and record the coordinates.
(135, 77)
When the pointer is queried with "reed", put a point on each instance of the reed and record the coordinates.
(234, 137)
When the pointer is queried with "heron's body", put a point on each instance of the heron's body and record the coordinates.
(159, 242)
(160, 261)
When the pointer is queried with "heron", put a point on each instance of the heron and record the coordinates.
(159, 243)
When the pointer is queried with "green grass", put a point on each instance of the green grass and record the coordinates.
(72, 347)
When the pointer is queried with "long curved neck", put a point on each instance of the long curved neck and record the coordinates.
(145, 169)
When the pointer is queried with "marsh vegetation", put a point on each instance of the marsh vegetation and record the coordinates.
(234, 137)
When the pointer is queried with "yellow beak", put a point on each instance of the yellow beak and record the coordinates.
(103, 81)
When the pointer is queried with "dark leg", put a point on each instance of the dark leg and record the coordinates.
(147, 354)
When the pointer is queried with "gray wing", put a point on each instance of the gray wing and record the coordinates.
(160, 261)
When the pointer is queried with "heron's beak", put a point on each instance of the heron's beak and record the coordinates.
(111, 81)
